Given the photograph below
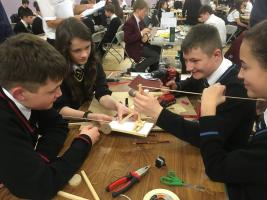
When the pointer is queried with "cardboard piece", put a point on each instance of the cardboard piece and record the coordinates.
(145, 82)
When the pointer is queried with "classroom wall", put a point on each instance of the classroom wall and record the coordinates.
(11, 6)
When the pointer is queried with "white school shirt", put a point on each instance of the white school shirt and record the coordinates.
(219, 24)
(25, 111)
(233, 16)
(52, 10)
(214, 77)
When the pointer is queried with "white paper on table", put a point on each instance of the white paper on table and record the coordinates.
(168, 22)
(127, 127)
(95, 8)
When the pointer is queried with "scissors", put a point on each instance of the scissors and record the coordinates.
(126, 182)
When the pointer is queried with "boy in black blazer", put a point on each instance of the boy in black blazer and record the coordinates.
(202, 50)
(24, 25)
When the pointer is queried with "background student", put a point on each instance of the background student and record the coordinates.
(24, 25)
(136, 38)
(33, 133)
(202, 50)
(86, 77)
(112, 28)
(244, 169)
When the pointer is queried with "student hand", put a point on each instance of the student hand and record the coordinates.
(99, 117)
(122, 110)
(171, 84)
(147, 104)
(211, 98)
(92, 132)
(145, 31)
(89, 5)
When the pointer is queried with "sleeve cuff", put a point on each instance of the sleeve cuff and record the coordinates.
(208, 124)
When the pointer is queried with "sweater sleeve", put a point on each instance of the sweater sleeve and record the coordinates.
(179, 127)
(246, 165)
(101, 86)
(25, 173)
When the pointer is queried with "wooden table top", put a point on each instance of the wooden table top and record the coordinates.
(115, 155)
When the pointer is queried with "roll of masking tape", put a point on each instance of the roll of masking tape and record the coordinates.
(161, 194)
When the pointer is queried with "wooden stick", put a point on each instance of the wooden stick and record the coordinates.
(196, 93)
(126, 118)
(139, 115)
(83, 119)
(70, 196)
(110, 75)
(90, 186)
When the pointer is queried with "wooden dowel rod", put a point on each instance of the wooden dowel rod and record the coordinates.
(196, 93)
(83, 119)
(90, 186)
(70, 196)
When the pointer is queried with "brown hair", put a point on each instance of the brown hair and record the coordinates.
(27, 60)
(203, 36)
(257, 40)
(68, 30)
(139, 5)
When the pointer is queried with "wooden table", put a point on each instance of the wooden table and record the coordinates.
(115, 155)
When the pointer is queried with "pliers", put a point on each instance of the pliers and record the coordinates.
(126, 182)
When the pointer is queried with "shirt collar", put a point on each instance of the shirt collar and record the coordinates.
(24, 23)
(113, 16)
(137, 20)
(74, 67)
(219, 71)
(265, 116)
(25, 111)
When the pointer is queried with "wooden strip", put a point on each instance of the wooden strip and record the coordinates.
(70, 196)
(196, 93)
(90, 186)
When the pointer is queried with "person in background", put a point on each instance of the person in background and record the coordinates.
(162, 7)
(5, 27)
(24, 25)
(202, 50)
(190, 11)
(243, 169)
(248, 7)
(34, 133)
(233, 17)
(24, 6)
(37, 24)
(54, 12)
(112, 28)
(258, 12)
(88, 20)
(136, 38)
(207, 16)
(86, 78)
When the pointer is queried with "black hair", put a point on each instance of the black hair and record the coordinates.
(257, 40)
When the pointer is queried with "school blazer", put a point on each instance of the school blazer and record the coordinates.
(133, 39)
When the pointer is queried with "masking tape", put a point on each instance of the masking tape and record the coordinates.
(168, 194)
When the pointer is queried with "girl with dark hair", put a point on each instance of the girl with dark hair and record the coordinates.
(242, 170)
(86, 77)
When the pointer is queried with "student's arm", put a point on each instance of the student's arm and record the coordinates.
(54, 23)
(238, 21)
(78, 9)
(26, 173)
(180, 128)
